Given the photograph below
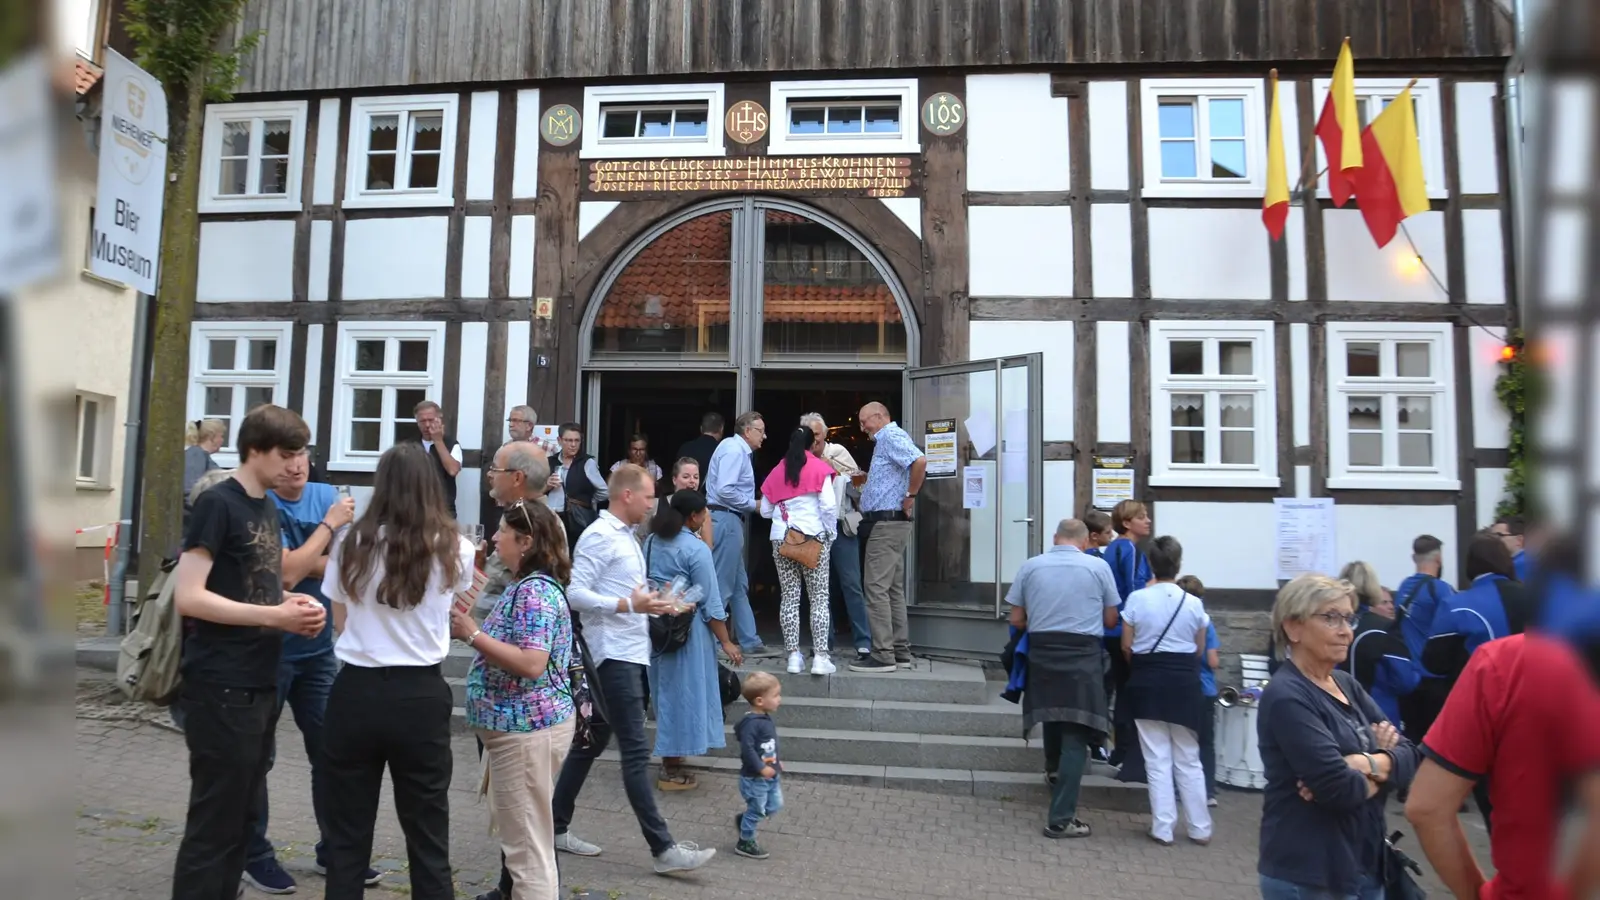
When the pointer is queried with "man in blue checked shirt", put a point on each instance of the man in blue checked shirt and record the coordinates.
(730, 484)
(887, 500)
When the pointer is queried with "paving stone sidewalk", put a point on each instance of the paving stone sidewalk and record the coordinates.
(831, 840)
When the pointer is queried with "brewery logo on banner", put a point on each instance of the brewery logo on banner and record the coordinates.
(126, 244)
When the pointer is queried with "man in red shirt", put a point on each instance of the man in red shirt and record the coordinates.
(1526, 716)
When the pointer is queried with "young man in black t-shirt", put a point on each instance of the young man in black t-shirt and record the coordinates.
(230, 591)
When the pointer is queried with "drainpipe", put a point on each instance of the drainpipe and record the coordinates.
(1513, 87)
(116, 623)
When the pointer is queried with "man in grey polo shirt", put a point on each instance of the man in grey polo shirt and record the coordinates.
(1065, 599)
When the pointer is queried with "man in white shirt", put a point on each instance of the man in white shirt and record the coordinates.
(611, 604)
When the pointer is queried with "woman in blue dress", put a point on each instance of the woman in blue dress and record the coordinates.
(683, 682)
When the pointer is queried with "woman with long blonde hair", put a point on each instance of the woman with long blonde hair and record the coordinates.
(392, 580)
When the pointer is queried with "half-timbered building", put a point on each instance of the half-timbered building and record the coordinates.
(1035, 222)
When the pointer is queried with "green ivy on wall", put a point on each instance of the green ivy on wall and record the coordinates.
(1517, 389)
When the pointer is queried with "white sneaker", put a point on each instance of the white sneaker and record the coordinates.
(822, 665)
(568, 842)
(683, 857)
(797, 663)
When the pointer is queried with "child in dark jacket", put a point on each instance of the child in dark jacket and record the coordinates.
(759, 763)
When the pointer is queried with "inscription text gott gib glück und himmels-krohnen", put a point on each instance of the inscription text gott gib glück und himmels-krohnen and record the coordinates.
(869, 176)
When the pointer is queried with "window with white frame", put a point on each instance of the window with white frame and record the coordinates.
(401, 151)
(1373, 96)
(1203, 137)
(92, 459)
(252, 157)
(856, 116)
(652, 120)
(1213, 412)
(1390, 406)
(384, 369)
(235, 367)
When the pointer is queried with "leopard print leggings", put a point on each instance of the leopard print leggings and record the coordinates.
(790, 577)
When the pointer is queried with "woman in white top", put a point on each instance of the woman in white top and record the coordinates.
(798, 497)
(1163, 636)
(392, 580)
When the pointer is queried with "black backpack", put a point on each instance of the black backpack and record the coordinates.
(670, 632)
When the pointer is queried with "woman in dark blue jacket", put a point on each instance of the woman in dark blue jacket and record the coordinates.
(1331, 757)
(1378, 656)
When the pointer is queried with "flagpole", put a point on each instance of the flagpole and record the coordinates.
(1311, 146)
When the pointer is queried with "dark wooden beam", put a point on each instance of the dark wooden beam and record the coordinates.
(946, 335)
(1065, 309)
(472, 309)
(555, 265)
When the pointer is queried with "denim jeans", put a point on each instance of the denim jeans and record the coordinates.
(727, 554)
(763, 797)
(624, 688)
(229, 734)
(1277, 889)
(846, 571)
(303, 684)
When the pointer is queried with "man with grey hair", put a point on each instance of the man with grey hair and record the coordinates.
(845, 560)
(518, 473)
(1065, 599)
(730, 484)
(520, 421)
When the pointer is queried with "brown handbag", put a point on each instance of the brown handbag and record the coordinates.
(798, 546)
(805, 550)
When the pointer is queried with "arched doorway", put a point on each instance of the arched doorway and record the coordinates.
(737, 304)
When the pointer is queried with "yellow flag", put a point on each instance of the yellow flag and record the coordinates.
(1275, 207)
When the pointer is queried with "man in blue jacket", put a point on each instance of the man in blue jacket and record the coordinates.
(1416, 602)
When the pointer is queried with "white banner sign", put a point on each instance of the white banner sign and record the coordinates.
(133, 176)
(30, 231)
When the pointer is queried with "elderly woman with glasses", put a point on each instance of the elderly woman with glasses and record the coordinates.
(1331, 757)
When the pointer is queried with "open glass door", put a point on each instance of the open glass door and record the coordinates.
(979, 514)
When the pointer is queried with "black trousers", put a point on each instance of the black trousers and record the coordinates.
(229, 733)
(1419, 708)
(625, 689)
(1126, 736)
(397, 717)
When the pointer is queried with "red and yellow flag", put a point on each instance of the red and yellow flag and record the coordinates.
(1390, 187)
(1339, 128)
(1275, 207)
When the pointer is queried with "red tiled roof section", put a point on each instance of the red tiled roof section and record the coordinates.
(682, 280)
(85, 75)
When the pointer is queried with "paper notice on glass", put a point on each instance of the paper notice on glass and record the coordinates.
(1014, 467)
(939, 444)
(980, 431)
(974, 487)
(1305, 537)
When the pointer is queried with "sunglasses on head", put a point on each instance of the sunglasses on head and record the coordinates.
(521, 506)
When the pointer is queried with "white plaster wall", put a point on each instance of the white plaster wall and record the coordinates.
(475, 236)
(1491, 424)
(311, 403)
(1209, 254)
(518, 335)
(1108, 135)
(1491, 490)
(1294, 235)
(1111, 240)
(907, 210)
(1113, 365)
(1358, 270)
(317, 275)
(1476, 146)
(246, 261)
(1225, 545)
(480, 145)
(1302, 481)
(1059, 501)
(395, 258)
(525, 159)
(1565, 252)
(1300, 381)
(1020, 251)
(1554, 422)
(1054, 340)
(1482, 241)
(327, 151)
(1382, 535)
(592, 213)
(1571, 102)
(469, 495)
(521, 283)
(1016, 134)
(474, 368)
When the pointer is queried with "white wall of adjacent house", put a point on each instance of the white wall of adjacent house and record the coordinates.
(1199, 255)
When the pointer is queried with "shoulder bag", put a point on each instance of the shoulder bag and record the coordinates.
(797, 545)
(581, 683)
(670, 632)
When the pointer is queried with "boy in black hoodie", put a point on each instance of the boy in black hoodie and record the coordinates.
(758, 753)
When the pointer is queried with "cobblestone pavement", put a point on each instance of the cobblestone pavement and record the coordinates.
(830, 841)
